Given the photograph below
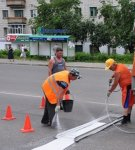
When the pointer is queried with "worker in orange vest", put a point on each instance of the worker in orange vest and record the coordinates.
(54, 88)
(121, 76)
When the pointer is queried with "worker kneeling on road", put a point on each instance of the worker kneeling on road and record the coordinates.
(121, 76)
(54, 87)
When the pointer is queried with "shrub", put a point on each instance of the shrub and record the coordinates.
(83, 57)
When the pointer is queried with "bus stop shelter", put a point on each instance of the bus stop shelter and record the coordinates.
(42, 45)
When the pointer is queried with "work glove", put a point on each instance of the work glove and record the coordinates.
(108, 94)
(57, 108)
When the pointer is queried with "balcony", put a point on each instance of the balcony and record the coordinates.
(17, 20)
(16, 3)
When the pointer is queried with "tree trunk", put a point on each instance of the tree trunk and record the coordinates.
(108, 50)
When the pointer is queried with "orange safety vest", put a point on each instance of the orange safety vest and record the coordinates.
(125, 75)
(52, 90)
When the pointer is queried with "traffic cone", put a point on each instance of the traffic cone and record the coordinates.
(8, 115)
(27, 125)
(42, 104)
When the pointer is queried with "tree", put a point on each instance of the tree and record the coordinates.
(60, 14)
(98, 34)
(119, 22)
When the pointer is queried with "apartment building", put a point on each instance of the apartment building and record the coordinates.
(15, 14)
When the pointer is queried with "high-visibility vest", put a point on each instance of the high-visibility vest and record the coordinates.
(125, 75)
(52, 90)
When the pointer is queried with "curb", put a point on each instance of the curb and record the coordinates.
(40, 64)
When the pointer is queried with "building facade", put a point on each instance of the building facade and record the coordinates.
(15, 14)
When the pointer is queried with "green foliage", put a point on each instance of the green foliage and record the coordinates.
(17, 53)
(80, 56)
(85, 57)
(36, 57)
(3, 53)
(119, 22)
(56, 15)
(61, 14)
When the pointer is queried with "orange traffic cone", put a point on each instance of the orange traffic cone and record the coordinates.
(27, 125)
(8, 115)
(42, 104)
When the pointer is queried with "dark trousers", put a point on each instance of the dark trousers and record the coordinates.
(49, 112)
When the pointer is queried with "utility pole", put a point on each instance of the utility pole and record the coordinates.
(133, 68)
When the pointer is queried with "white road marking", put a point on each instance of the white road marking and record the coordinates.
(92, 102)
(27, 95)
(66, 139)
(81, 126)
(58, 144)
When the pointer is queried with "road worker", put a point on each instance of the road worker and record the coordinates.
(54, 88)
(121, 76)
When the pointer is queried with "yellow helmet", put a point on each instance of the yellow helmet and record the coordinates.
(109, 62)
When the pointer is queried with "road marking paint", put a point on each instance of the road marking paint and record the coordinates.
(92, 102)
(67, 138)
(81, 126)
(58, 144)
(27, 95)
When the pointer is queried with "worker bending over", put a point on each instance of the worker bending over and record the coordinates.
(121, 76)
(54, 88)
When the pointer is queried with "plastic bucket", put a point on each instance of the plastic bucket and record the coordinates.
(67, 105)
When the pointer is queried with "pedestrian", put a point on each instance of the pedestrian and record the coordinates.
(121, 76)
(57, 63)
(23, 52)
(10, 54)
(54, 87)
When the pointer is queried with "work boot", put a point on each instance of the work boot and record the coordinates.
(124, 120)
(128, 118)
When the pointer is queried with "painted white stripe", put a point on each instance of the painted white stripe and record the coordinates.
(92, 102)
(58, 144)
(81, 126)
(27, 95)
(68, 138)
(75, 134)
(35, 96)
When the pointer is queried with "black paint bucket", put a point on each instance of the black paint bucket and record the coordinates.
(67, 105)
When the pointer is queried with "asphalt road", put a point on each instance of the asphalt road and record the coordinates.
(20, 88)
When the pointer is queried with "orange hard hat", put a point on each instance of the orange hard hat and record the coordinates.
(108, 63)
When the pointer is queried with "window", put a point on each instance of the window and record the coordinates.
(16, 29)
(5, 14)
(5, 31)
(33, 13)
(93, 11)
(18, 13)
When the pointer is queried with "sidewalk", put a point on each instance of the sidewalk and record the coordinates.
(45, 63)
